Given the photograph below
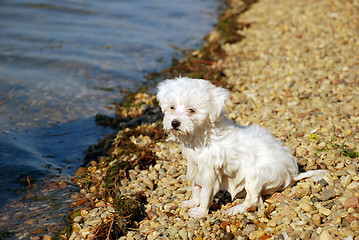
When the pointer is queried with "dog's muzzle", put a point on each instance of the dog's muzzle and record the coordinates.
(175, 123)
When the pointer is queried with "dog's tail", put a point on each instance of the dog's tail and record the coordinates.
(315, 175)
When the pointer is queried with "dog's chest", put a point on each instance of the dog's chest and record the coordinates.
(196, 164)
(195, 156)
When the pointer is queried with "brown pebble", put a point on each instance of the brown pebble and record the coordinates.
(325, 235)
(279, 197)
(47, 237)
(79, 202)
(80, 171)
(352, 201)
(228, 236)
(174, 208)
(351, 218)
(327, 194)
(249, 228)
(257, 234)
(306, 207)
(317, 219)
(224, 224)
(169, 214)
(151, 214)
(62, 184)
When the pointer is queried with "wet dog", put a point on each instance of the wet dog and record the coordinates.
(221, 155)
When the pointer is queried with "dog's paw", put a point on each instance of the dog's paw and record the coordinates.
(190, 203)
(236, 209)
(197, 212)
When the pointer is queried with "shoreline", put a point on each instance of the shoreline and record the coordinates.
(135, 189)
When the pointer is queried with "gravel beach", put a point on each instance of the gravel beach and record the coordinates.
(295, 72)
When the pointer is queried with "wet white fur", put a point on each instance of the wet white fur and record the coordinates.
(221, 155)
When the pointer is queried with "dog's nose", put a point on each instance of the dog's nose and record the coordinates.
(175, 123)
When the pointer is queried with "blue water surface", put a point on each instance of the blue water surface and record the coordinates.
(64, 61)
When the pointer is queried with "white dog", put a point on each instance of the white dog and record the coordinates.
(220, 155)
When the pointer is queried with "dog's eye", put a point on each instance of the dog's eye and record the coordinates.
(191, 110)
(172, 108)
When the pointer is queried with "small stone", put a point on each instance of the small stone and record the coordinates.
(85, 232)
(323, 182)
(92, 169)
(345, 180)
(306, 234)
(272, 223)
(183, 234)
(169, 214)
(283, 236)
(317, 219)
(62, 184)
(100, 204)
(228, 236)
(233, 228)
(249, 228)
(325, 211)
(96, 221)
(151, 214)
(224, 224)
(351, 218)
(353, 185)
(84, 213)
(80, 171)
(351, 201)
(46, 237)
(354, 226)
(306, 207)
(153, 175)
(257, 234)
(172, 230)
(325, 235)
(148, 183)
(301, 151)
(347, 132)
(153, 235)
(193, 224)
(322, 145)
(77, 219)
(327, 194)
(279, 197)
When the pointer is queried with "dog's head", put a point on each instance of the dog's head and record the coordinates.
(189, 104)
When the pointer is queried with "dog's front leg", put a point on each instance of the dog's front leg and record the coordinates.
(196, 197)
(206, 196)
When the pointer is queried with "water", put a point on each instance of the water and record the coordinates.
(62, 62)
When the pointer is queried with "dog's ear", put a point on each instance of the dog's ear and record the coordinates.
(219, 96)
(162, 92)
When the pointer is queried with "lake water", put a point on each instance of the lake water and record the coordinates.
(62, 62)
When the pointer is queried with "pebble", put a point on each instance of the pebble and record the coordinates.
(148, 183)
(327, 194)
(306, 207)
(317, 219)
(325, 235)
(77, 219)
(228, 236)
(248, 229)
(257, 234)
(352, 201)
(325, 211)
(183, 234)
